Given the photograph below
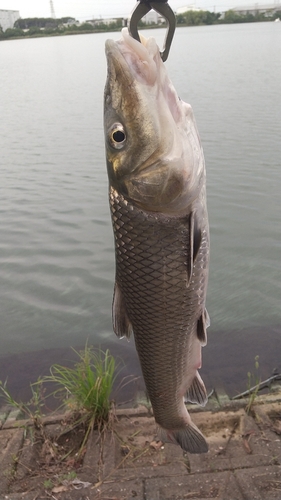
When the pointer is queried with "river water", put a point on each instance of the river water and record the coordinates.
(56, 245)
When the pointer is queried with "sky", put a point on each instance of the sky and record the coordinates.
(88, 9)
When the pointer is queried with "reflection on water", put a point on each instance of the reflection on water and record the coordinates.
(226, 362)
(56, 248)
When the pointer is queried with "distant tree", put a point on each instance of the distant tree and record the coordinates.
(195, 18)
(113, 26)
(71, 28)
(19, 24)
(34, 30)
(86, 27)
(231, 17)
(41, 22)
(180, 19)
(277, 15)
(210, 17)
(67, 19)
(12, 33)
(101, 27)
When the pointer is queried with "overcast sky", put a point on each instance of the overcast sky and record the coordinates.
(87, 9)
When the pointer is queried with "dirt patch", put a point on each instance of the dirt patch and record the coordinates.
(50, 457)
(212, 425)
(275, 417)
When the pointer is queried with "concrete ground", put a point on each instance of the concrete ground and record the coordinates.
(243, 463)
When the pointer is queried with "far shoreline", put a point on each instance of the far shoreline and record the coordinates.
(114, 30)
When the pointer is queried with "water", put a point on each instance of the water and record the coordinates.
(56, 246)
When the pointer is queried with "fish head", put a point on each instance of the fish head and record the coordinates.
(154, 155)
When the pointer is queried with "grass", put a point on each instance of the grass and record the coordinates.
(33, 408)
(49, 484)
(86, 387)
(84, 390)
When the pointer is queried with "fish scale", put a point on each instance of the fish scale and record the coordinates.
(152, 275)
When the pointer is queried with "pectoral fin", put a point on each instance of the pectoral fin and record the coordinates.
(195, 237)
(197, 391)
(202, 325)
(121, 323)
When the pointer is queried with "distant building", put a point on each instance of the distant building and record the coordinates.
(266, 9)
(107, 22)
(71, 22)
(8, 18)
(151, 17)
(182, 10)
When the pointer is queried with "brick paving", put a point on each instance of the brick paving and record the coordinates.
(243, 463)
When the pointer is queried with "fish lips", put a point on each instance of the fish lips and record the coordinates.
(138, 61)
(117, 67)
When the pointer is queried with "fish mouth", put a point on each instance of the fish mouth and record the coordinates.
(139, 65)
(139, 61)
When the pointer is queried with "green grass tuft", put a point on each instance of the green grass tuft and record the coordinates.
(84, 390)
(86, 387)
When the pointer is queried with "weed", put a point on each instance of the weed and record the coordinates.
(87, 386)
(62, 479)
(66, 477)
(33, 408)
(254, 381)
(275, 460)
(48, 484)
(84, 390)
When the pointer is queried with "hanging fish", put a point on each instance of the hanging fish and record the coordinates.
(157, 196)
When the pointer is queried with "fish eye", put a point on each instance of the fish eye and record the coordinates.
(117, 136)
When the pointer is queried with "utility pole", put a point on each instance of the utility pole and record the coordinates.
(53, 15)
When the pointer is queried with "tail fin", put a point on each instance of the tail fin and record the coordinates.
(189, 438)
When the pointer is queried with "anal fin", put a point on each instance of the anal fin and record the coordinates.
(121, 323)
(197, 393)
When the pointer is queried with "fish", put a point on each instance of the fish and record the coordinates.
(157, 197)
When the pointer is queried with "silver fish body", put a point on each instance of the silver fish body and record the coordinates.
(158, 205)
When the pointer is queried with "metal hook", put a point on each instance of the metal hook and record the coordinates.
(162, 7)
